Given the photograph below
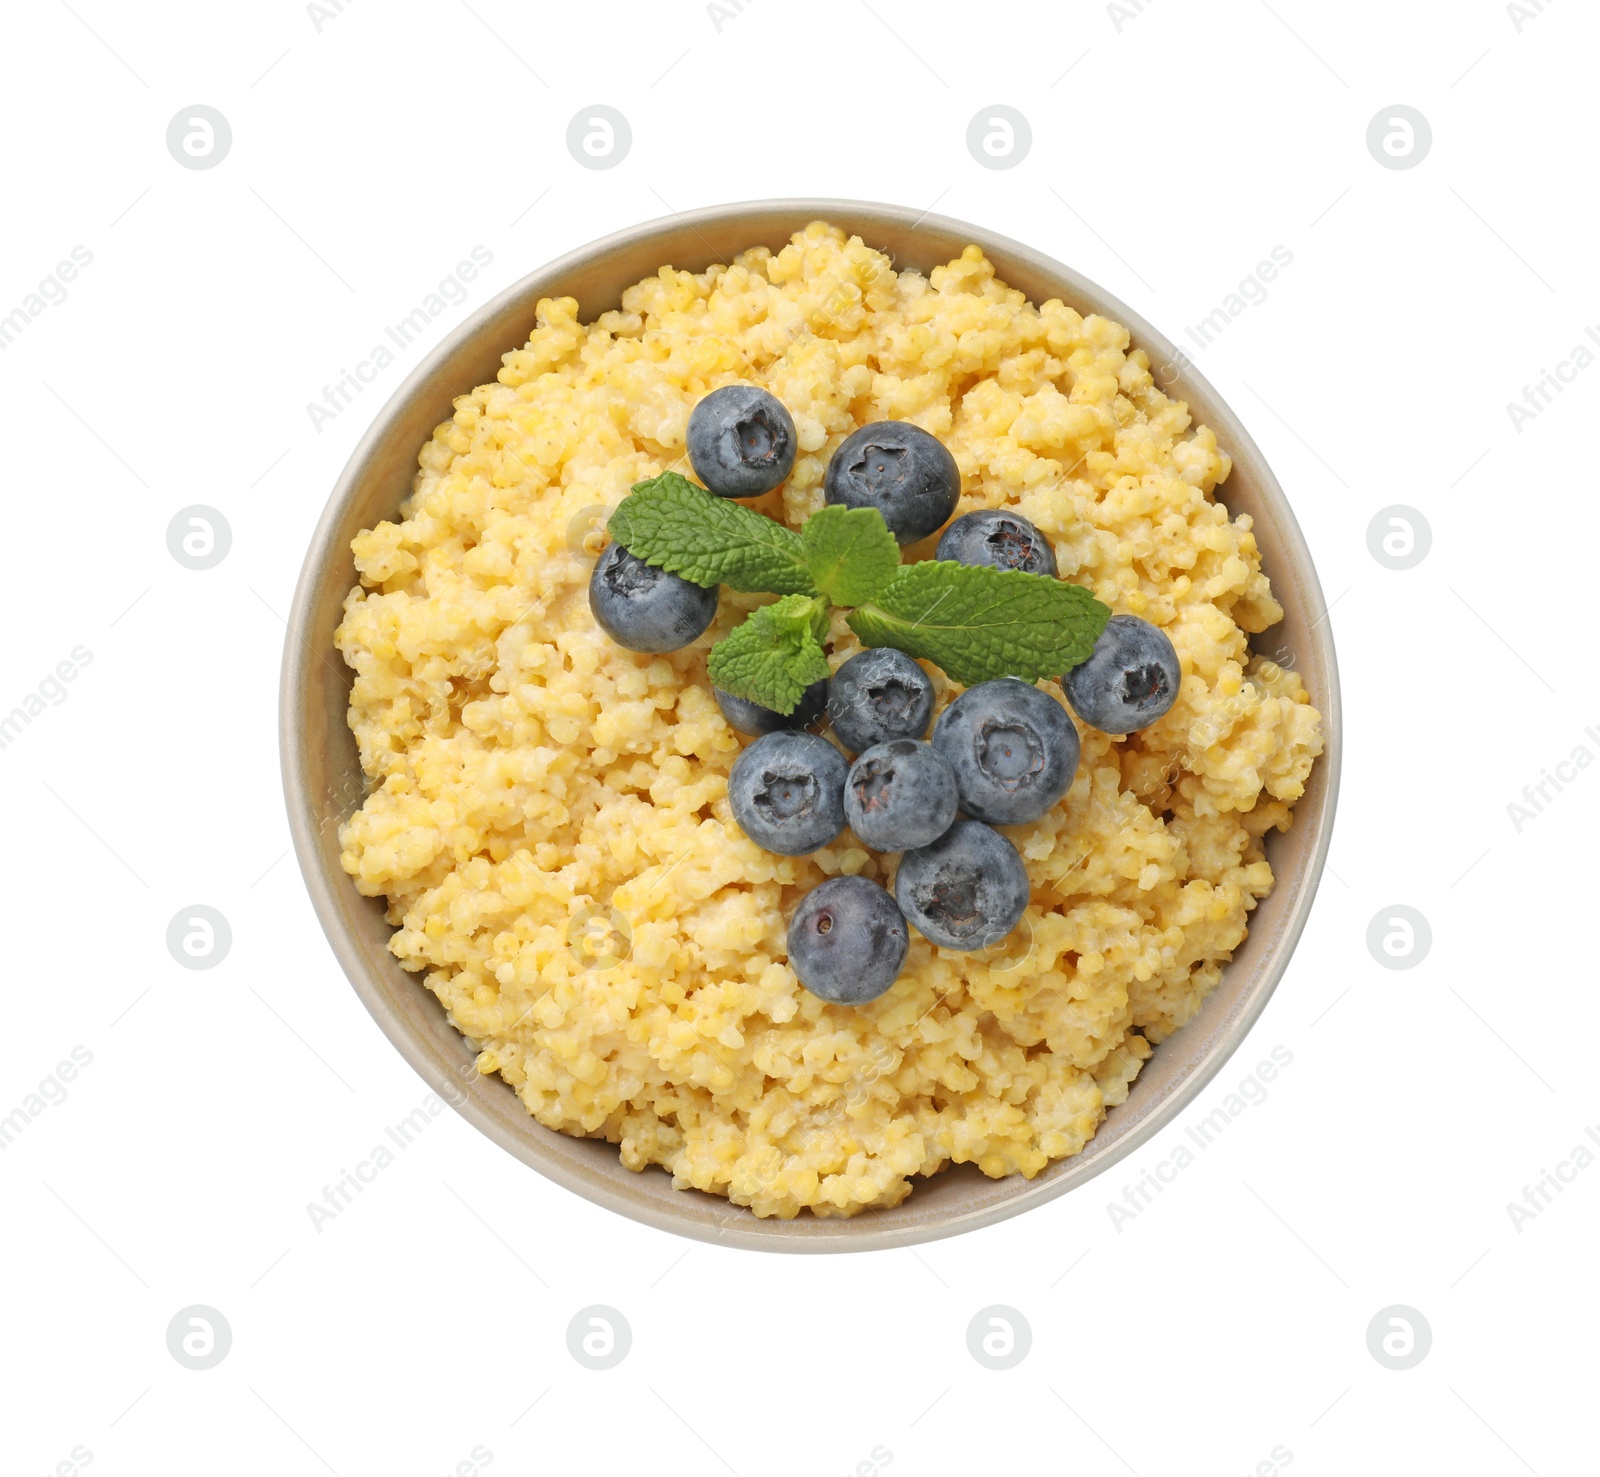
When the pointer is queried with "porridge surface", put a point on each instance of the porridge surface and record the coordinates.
(548, 818)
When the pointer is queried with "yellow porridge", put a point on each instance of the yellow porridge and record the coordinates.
(548, 816)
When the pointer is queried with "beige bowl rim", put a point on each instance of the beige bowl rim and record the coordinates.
(321, 787)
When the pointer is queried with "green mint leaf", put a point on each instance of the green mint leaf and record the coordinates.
(980, 623)
(671, 523)
(774, 654)
(850, 552)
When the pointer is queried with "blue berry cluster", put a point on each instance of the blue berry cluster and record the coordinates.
(1002, 754)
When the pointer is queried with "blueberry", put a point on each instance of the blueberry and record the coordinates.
(878, 695)
(847, 941)
(752, 718)
(1000, 539)
(964, 891)
(899, 469)
(741, 441)
(1013, 749)
(1130, 679)
(787, 792)
(645, 608)
(899, 795)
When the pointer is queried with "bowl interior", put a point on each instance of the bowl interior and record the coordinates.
(323, 781)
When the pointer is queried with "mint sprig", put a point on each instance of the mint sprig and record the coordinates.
(974, 622)
(775, 654)
(979, 623)
(850, 553)
(671, 523)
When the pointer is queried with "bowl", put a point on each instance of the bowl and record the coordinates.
(323, 782)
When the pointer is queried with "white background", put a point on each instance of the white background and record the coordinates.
(1172, 150)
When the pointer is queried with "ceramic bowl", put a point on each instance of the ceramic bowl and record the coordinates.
(323, 782)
